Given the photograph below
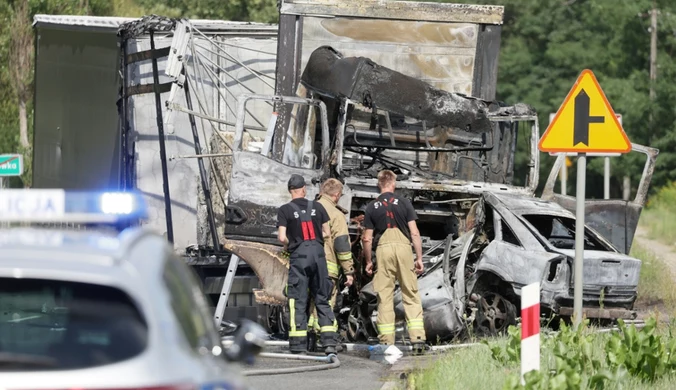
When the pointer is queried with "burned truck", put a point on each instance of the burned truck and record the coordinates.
(485, 235)
(478, 256)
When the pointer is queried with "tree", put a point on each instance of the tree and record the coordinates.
(21, 64)
(237, 10)
(547, 43)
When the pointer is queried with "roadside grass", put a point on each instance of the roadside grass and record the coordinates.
(656, 285)
(474, 368)
(659, 215)
(468, 368)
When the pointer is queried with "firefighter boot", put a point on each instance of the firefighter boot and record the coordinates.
(312, 345)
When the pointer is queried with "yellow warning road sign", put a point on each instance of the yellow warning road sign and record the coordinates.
(585, 122)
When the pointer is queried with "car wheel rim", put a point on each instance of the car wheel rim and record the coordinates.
(494, 313)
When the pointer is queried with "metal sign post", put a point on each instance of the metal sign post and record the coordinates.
(579, 236)
(606, 169)
(585, 123)
(606, 178)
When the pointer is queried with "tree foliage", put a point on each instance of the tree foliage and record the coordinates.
(545, 45)
(237, 10)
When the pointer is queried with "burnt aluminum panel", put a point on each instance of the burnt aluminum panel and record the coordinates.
(486, 64)
(112, 23)
(440, 54)
(404, 10)
(183, 174)
(259, 55)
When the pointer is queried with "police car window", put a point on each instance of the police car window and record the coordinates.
(56, 325)
(188, 305)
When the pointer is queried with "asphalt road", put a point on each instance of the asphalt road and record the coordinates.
(355, 372)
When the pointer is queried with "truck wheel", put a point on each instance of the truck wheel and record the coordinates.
(494, 315)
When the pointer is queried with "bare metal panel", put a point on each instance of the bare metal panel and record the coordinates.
(404, 10)
(76, 138)
(259, 55)
(183, 174)
(442, 54)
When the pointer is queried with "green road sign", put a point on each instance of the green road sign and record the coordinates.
(11, 165)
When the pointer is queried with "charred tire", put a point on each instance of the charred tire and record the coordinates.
(354, 326)
(495, 313)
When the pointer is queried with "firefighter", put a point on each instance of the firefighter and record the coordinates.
(390, 228)
(303, 225)
(337, 247)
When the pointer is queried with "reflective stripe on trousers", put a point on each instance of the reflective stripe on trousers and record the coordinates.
(395, 261)
(308, 277)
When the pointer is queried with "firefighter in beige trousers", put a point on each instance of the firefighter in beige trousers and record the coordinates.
(390, 227)
(337, 247)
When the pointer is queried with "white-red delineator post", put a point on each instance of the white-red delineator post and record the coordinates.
(530, 328)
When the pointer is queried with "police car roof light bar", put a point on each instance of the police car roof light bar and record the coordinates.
(58, 205)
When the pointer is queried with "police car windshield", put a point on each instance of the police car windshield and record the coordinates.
(73, 325)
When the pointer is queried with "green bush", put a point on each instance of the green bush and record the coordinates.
(578, 358)
(642, 352)
(511, 353)
(664, 199)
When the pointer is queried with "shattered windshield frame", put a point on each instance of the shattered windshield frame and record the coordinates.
(561, 233)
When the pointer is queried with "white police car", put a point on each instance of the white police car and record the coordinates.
(94, 310)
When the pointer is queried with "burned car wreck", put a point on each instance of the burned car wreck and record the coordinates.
(485, 234)
(475, 280)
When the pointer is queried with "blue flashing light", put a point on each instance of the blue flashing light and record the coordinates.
(57, 205)
(117, 203)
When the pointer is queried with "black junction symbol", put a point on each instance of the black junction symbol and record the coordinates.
(583, 119)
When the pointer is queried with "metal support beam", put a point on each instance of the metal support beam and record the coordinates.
(606, 178)
(579, 238)
(287, 75)
(225, 290)
(163, 151)
(200, 165)
(486, 61)
(564, 179)
(124, 126)
(207, 155)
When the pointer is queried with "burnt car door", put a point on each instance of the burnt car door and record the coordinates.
(615, 219)
(258, 183)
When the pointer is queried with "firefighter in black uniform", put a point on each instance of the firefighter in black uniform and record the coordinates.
(303, 224)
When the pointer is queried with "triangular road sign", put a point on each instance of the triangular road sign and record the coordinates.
(585, 122)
